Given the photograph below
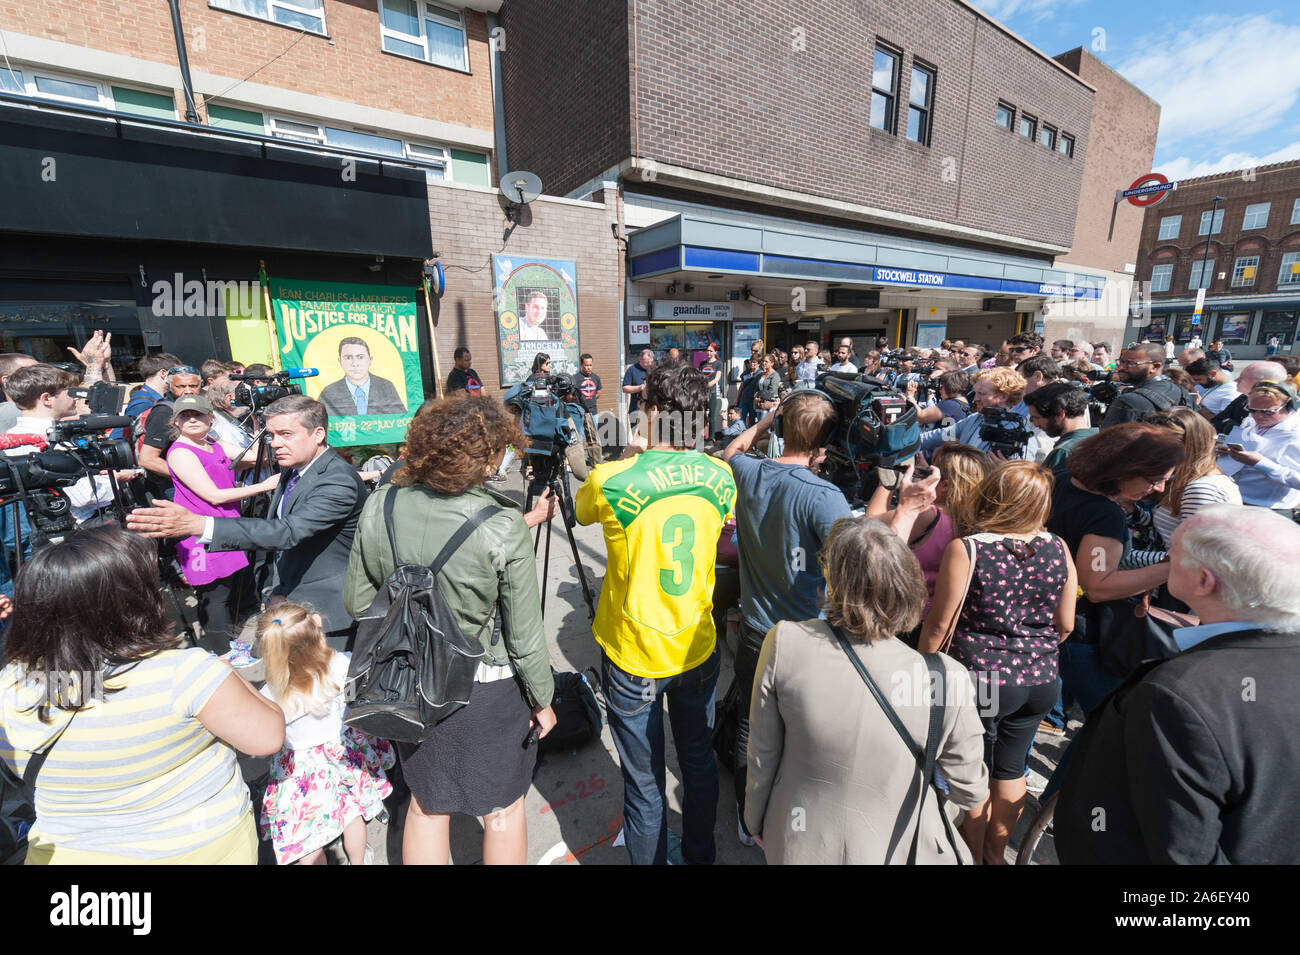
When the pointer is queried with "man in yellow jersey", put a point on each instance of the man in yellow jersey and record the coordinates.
(662, 512)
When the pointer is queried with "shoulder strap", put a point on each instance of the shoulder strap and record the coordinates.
(938, 693)
(33, 768)
(460, 536)
(971, 550)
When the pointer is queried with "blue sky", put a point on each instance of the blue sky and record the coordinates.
(1227, 84)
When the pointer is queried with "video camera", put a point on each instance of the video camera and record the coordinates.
(875, 427)
(78, 448)
(1005, 431)
(248, 394)
(551, 420)
(1102, 389)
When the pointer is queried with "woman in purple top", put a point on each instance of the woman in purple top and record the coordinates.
(205, 484)
(1005, 629)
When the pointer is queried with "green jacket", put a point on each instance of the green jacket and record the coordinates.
(495, 565)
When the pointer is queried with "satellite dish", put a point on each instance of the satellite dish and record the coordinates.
(519, 188)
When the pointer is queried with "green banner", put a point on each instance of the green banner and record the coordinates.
(363, 339)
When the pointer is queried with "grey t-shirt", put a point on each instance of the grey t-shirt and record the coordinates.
(783, 514)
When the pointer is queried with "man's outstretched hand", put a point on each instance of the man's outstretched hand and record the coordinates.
(165, 519)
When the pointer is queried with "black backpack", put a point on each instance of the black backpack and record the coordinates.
(577, 714)
(412, 667)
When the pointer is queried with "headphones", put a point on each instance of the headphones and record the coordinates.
(778, 422)
(1292, 399)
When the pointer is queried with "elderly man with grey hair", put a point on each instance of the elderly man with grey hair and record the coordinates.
(1193, 759)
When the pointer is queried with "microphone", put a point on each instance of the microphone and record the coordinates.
(285, 373)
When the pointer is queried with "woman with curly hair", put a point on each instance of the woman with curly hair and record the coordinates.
(475, 761)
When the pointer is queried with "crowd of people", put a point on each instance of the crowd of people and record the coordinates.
(895, 660)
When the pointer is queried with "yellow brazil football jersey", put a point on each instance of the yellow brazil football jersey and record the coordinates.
(662, 512)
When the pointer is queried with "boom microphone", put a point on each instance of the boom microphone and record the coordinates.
(285, 373)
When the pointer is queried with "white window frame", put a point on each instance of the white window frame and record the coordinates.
(30, 74)
(1216, 226)
(1284, 274)
(1239, 267)
(1161, 276)
(424, 12)
(411, 149)
(226, 7)
(1253, 211)
(1295, 212)
(1165, 233)
(1197, 275)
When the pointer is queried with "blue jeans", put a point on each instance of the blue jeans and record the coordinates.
(635, 710)
(1082, 676)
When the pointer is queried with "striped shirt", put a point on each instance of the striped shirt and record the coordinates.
(1210, 489)
(135, 774)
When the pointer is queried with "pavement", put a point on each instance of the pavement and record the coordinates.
(575, 805)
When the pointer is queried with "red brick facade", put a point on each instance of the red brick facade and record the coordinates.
(467, 231)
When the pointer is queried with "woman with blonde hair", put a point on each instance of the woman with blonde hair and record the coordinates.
(1198, 481)
(328, 779)
(1003, 603)
(996, 390)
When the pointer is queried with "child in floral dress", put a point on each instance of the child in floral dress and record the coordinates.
(328, 779)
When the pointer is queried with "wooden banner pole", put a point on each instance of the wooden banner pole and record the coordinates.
(433, 337)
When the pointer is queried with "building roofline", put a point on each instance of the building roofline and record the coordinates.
(1120, 76)
(1026, 44)
(1228, 174)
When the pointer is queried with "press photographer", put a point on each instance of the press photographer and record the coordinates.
(1002, 423)
(551, 418)
(1060, 410)
(42, 394)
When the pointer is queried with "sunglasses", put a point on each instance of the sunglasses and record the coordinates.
(1265, 411)
(182, 370)
(1125, 361)
(1018, 348)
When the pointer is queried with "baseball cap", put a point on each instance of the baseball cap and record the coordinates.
(192, 403)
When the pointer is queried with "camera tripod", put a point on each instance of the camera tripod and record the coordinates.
(557, 481)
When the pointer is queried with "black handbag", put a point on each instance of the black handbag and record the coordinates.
(1138, 632)
(925, 757)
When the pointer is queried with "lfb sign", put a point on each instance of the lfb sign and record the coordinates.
(1147, 190)
(638, 333)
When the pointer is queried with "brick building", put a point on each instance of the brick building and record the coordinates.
(913, 170)
(1252, 277)
(354, 141)
(1121, 146)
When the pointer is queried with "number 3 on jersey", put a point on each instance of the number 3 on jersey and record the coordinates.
(679, 531)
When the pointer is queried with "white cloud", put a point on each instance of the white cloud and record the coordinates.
(1033, 10)
(1185, 168)
(1229, 77)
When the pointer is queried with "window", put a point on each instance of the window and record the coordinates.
(884, 89)
(1194, 281)
(438, 161)
(1160, 276)
(1047, 137)
(919, 98)
(304, 14)
(1066, 145)
(1289, 273)
(1006, 116)
(1028, 126)
(1205, 223)
(1256, 216)
(1279, 324)
(1244, 269)
(1170, 227)
(425, 31)
(11, 81)
(1295, 209)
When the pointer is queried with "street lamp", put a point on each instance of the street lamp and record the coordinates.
(1209, 233)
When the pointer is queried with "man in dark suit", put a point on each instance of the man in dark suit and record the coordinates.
(358, 391)
(1192, 760)
(312, 519)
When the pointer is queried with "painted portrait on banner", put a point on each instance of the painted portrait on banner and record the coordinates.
(364, 341)
(536, 311)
